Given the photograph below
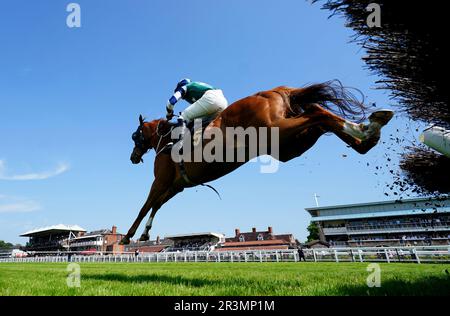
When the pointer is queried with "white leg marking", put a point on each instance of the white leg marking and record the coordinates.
(148, 225)
(354, 130)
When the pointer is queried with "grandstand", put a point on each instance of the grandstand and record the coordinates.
(195, 242)
(158, 245)
(52, 238)
(408, 222)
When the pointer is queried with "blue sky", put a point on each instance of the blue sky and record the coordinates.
(70, 99)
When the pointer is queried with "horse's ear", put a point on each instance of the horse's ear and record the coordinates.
(141, 120)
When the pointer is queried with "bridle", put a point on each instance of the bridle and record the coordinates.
(139, 140)
(142, 144)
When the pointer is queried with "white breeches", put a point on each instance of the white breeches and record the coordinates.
(212, 102)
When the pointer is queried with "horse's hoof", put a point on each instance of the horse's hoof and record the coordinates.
(144, 238)
(381, 117)
(125, 241)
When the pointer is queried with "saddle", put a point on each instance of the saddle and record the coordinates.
(205, 122)
(196, 134)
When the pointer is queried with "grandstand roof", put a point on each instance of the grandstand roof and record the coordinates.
(402, 207)
(181, 236)
(53, 229)
(375, 203)
(379, 214)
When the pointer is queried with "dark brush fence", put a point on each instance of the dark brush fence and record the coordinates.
(409, 52)
(429, 171)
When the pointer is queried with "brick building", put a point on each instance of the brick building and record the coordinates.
(103, 240)
(258, 240)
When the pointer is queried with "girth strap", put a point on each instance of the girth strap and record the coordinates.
(189, 182)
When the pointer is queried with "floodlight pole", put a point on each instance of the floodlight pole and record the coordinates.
(316, 197)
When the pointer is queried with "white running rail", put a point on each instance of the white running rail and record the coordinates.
(364, 254)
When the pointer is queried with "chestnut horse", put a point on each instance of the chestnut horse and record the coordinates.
(301, 115)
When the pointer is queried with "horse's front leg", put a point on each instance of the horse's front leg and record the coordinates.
(163, 199)
(158, 188)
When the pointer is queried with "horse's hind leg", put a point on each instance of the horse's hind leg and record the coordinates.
(361, 137)
(301, 143)
(358, 136)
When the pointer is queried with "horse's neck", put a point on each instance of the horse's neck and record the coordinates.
(160, 142)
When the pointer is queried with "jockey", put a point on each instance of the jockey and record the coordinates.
(205, 101)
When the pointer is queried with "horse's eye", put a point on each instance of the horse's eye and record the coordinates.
(134, 136)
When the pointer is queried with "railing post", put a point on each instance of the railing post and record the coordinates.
(416, 255)
(360, 255)
(387, 255)
(314, 255)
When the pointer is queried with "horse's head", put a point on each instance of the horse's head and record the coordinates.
(146, 138)
(142, 140)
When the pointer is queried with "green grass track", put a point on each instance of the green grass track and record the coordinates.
(224, 279)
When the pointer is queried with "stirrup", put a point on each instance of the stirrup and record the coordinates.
(167, 148)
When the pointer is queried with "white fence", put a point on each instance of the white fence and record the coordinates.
(366, 254)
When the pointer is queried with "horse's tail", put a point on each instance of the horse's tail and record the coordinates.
(333, 96)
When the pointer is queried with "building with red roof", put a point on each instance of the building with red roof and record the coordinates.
(258, 240)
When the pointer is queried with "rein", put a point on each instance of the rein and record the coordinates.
(161, 136)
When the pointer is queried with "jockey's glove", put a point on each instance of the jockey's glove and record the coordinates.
(169, 114)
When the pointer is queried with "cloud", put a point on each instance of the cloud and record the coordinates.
(9, 204)
(60, 168)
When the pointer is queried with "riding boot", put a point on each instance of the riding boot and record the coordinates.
(179, 123)
(182, 125)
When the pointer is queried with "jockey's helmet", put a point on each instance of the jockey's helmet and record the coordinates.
(182, 82)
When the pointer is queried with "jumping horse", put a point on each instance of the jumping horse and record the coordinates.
(301, 115)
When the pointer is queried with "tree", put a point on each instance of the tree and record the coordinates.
(313, 230)
(5, 245)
